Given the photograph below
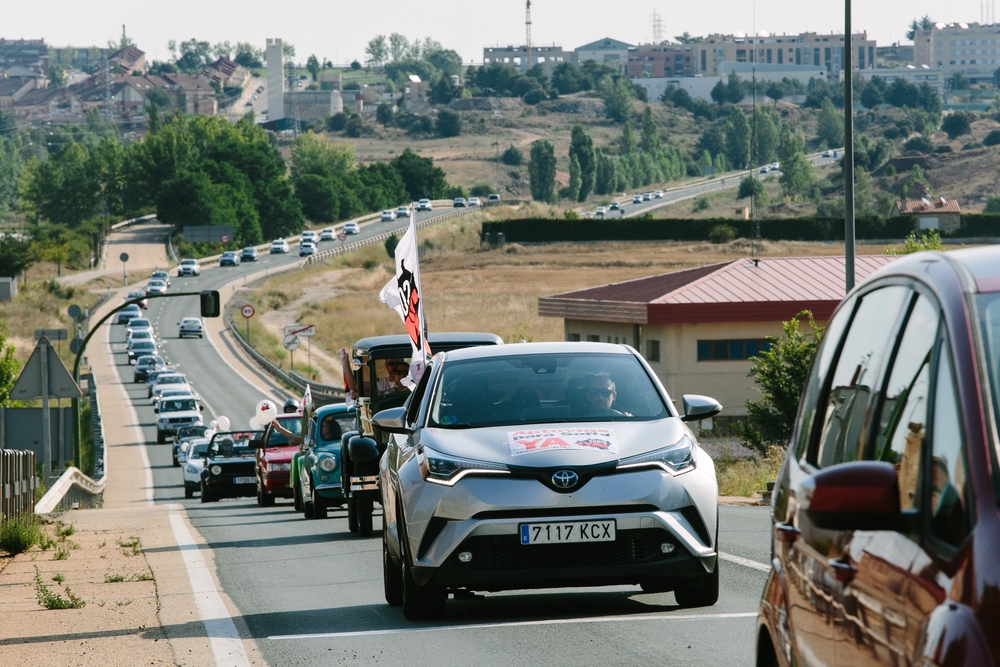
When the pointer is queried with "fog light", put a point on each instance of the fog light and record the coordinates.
(465, 557)
(667, 548)
(323, 478)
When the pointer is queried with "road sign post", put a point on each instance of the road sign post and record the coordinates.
(124, 258)
(307, 330)
(291, 343)
(247, 312)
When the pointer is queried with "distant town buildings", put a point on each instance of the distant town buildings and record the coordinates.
(611, 52)
(516, 56)
(970, 49)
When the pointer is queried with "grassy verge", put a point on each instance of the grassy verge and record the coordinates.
(746, 476)
(20, 534)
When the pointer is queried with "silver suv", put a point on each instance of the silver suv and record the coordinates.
(189, 267)
(544, 465)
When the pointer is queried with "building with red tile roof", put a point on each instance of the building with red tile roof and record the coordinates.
(943, 214)
(698, 327)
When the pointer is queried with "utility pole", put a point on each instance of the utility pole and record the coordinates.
(527, 36)
(848, 151)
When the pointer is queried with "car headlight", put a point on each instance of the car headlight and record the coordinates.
(191, 469)
(280, 467)
(446, 469)
(675, 458)
(216, 470)
(328, 463)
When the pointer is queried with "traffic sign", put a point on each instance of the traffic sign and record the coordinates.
(74, 311)
(123, 257)
(224, 238)
(75, 345)
(342, 236)
(291, 342)
(301, 330)
(247, 311)
(54, 382)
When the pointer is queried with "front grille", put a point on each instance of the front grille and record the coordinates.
(507, 553)
(180, 420)
(248, 469)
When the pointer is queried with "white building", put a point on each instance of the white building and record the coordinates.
(969, 48)
(275, 81)
(933, 77)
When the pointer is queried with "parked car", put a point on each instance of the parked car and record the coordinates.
(189, 267)
(274, 459)
(229, 258)
(424, 205)
(174, 413)
(306, 249)
(475, 201)
(278, 247)
(310, 236)
(193, 464)
(459, 202)
(141, 294)
(559, 464)
(156, 287)
(884, 510)
(184, 435)
(144, 364)
(328, 234)
(388, 215)
(228, 470)
(403, 212)
(493, 199)
(161, 275)
(636, 199)
(249, 254)
(127, 313)
(351, 228)
(381, 361)
(315, 479)
(141, 348)
(190, 326)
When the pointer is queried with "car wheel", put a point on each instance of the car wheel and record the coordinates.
(177, 464)
(188, 491)
(319, 506)
(160, 438)
(419, 602)
(705, 596)
(352, 515)
(206, 497)
(264, 499)
(392, 575)
(365, 509)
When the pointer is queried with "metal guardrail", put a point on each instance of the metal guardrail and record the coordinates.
(132, 221)
(72, 490)
(17, 483)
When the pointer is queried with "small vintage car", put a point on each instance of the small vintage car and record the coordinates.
(274, 459)
(316, 468)
(229, 465)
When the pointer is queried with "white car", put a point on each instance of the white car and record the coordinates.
(425, 205)
(658, 194)
(191, 459)
(278, 247)
(156, 287)
(190, 326)
(774, 166)
(310, 236)
(328, 234)
(139, 324)
(175, 413)
(636, 199)
(493, 199)
(351, 228)
(474, 201)
(403, 212)
(189, 267)
(184, 391)
(647, 196)
(172, 380)
(388, 215)
(161, 275)
(306, 249)
(600, 211)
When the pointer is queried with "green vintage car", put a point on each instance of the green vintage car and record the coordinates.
(316, 467)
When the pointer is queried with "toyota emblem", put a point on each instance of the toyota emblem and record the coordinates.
(565, 479)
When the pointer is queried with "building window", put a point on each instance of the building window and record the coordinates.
(703, 60)
(573, 337)
(652, 350)
(731, 350)
(592, 338)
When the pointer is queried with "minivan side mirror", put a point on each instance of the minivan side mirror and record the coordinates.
(859, 495)
(392, 420)
(699, 407)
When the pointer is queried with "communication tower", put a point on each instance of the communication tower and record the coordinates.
(657, 27)
(527, 36)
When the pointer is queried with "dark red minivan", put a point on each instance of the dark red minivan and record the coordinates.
(886, 530)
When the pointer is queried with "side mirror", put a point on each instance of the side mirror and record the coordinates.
(155, 409)
(201, 408)
(860, 495)
(699, 407)
(392, 420)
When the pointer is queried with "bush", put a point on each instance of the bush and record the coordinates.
(390, 246)
(481, 190)
(19, 535)
(354, 128)
(449, 123)
(992, 204)
(512, 157)
(534, 96)
(992, 139)
(337, 122)
(972, 146)
(943, 149)
(701, 204)
(722, 234)
(920, 144)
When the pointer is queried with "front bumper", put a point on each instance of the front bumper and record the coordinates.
(277, 483)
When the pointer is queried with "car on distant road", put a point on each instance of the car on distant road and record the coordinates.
(184, 435)
(189, 267)
(315, 470)
(260, 89)
(763, 170)
(144, 364)
(139, 324)
(173, 413)
(493, 199)
(647, 196)
(388, 215)
(774, 166)
(615, 206)
(141, 348)
(403, 212)
(658, 194)
(190, 326)
(600, 211)
(156, 287)
(274, 459)
(127, 313)
(278, 247)
(151, 376)
(424, 205)
(636, 199)
(249, 254)
(136, 295)
(134, 335)
(459, 202)
(229, 465)
(310, 236)
(306, 249)
(545, 465)
(475, 201)
(229, 258)
(193, 464)
(351, 228)
(328, 234)
(161, 275)
(884, 522)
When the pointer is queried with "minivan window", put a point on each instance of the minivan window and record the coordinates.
(950, 489)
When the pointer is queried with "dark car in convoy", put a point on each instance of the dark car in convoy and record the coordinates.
(316, 468)
(145, 364)
(274, 459)
(886, 529)
(229, 466)
(249, 254)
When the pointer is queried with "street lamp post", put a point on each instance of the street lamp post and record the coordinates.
(848, 151)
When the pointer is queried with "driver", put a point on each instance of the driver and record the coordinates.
(599, 392)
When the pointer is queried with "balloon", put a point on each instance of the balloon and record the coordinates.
(267, 410)
(223, 422)
(254, 426)
(209, 433)
(213, 424)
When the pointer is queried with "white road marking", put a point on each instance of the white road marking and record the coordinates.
(516, 624)
(140, 439)
(227, 647)
(745, 562)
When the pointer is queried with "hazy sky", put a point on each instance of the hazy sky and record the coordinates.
(339, 30)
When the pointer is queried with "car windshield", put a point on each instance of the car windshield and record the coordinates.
(141, 334)
(139, 323)
(541, 388)
(144, 345)
(178, 405)
(149, 360)
(293, 424)
(171, 379)
(189, 432)
(198, 450)
(188, 262)
(232, 444)
(334, 426)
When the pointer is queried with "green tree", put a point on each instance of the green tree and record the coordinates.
(442, 92)
(604, 181)
(63, 189)
(796, 171)
(929, 239)
(718, 93)
(735, 90)
(958, 81)
(957, 124)
(775, 91)
(992, 204)
(627, 145)
(650, 137)
(385, 113)
(542, 171)
(376, 51)
(582, 148)
(420, 177)
(222, 50)
(194, 56)
(737, 139)
(688, 38)
(448, 123)
(749, 186)
(10, 171)
(512, 157)
(9, 368)
(617, 94)
(312, 65)
(768, 136)
(399, 46)
(871, 94)
(248, 55)
(780, 374)
(16, 255)
(830, 124)
(574, 178)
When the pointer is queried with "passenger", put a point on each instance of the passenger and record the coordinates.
(292, 437)
(397, 369)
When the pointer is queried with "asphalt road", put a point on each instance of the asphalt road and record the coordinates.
(310, 592)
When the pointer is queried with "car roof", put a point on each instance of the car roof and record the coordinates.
(333, 408)
(437, 340)
(538, 348)
(979, 267)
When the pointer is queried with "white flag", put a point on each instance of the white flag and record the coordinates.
(402, 294)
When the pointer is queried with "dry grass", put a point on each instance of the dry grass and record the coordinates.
(41, 305)
(744, 477)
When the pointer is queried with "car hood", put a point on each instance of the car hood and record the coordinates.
(179, 413)
(546, 445)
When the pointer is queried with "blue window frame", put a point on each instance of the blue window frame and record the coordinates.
(732, 350)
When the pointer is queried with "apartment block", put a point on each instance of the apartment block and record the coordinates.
(807, 49)
(967, 48)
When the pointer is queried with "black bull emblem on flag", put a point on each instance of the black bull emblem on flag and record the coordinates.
(409, 296)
